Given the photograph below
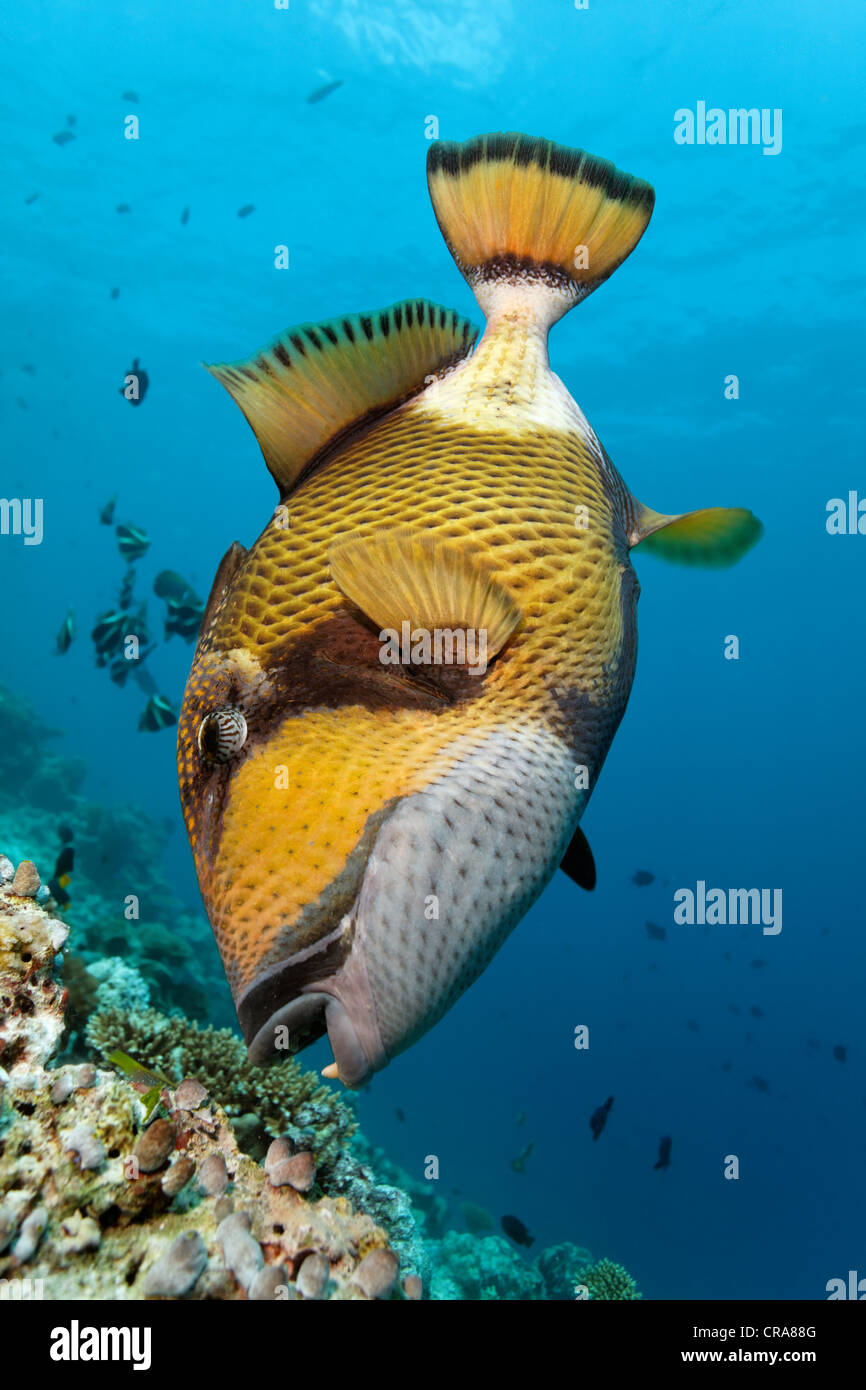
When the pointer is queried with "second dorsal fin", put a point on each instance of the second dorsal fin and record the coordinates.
(316, 382)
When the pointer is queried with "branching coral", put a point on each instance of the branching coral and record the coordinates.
(283, 1098)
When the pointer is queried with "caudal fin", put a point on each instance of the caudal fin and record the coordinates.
(520, 210)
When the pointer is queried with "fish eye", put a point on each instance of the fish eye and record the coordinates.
(221, 734)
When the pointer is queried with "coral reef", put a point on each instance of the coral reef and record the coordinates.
(481, 1267)
(261, 1101)
(121, 901)
(95, 1205)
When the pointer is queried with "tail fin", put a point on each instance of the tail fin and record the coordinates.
(520, 210)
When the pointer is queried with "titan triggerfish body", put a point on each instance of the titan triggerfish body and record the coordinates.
(403, 693)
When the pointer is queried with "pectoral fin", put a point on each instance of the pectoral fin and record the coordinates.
(713, 536)
(400, 575)
(578, 862)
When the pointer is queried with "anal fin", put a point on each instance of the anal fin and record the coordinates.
(578, 862)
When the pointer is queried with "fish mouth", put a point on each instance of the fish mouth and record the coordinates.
(324, 988)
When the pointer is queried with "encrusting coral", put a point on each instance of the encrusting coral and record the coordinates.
(95, 1205)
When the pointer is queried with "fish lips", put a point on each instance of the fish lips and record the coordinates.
(328, 990)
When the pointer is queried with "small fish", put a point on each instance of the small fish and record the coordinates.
(114, 293)
(516, 1231)
(107, 635)
(29, 368)
(642, 877)
(598, 1118)
(158, 714)
(183, 617)
(692, 1026)
(400, 1116)
(151, 1085)
(418, 474)
(664, 1158)
(71, 120)
(31, 199)
(66, 633)
(726, 1066)
(759, 1084)
(521, 1118)
(170, 584)
(518, 1164)
(656, 932)
(63, 137)
(756, 1011)
(59, 881)
(106, 515)
(126, 588)
(132, 541)
(321, 92)
(246, 209)
(184, 217)
(123, 207)
(134, 388)
(122, 668)
(128, 96)
(840, 1052)
(757, 964)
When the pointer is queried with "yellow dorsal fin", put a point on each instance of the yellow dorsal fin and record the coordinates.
(712, 536)
(400, 575)
(315, 383)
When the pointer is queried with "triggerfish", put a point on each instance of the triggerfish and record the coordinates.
(403, 693)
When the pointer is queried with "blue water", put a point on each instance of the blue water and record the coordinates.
(739, 773)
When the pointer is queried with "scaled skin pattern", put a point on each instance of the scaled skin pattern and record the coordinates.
(367, 834)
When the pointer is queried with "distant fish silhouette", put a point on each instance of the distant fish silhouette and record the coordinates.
(114, 294)
(66, 633)
(518, 1164)
(184, 217)
(400, 1116)
(734, 1009)
(598, 1118)
(756, 1011)
(71, 120)
(759, 1084)
(246, 209)
(515, 1229)
(136, 388)
(106, 515)
(657, 933)
(756, 964)
(840, 1052)
(63, 137)
(726, 1066)
(31, 199)
(643, 877)
(813, 1044)
(123, 207)
(692, 1026)
(129, 96)
(664, 1158)
(321, 92)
